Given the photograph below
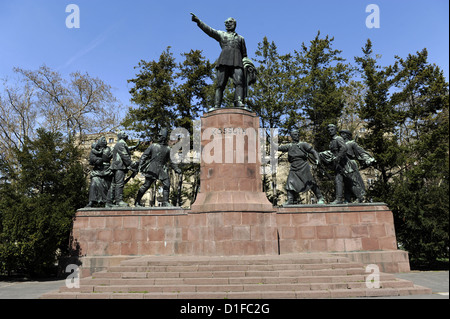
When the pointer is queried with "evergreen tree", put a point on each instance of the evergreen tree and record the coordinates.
(321, 77)
(194, 94)
(420, 191)
(419, 198)
(153, 93)
(354, 99)
(381, 119)
(38, 205)
(269, 96)
(406, 111)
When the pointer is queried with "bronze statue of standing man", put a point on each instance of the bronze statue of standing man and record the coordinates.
(154, 166)
(300, 178)
(338, 159)
(230, 62)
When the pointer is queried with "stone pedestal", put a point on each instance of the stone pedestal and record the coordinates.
(230, 178)
(364, 232)
(233, 217)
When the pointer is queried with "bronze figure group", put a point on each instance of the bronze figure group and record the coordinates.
(344, 156)
(110, 168)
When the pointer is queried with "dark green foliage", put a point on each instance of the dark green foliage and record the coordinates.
(168, 94)
(37, 205)
(406, 111)
(381, 118)
(269, 96)
(321, 80)
(270, 99)
(194, 94)
(131, 189)
(153, 93)
(420, 198)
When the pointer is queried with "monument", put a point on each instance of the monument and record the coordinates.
(231, 215)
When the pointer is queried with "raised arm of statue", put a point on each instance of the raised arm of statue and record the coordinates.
(205, 28)
(314, 155)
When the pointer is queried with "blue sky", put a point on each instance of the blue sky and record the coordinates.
(115, 35)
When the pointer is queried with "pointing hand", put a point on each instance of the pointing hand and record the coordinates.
(194, 18)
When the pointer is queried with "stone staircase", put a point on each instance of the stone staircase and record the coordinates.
(250, 277)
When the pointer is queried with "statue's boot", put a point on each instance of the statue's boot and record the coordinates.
(339, 194)
(119, 197)
(338, 200)
(122, 204)
(318, 194)
(217, 100)
(165, 200)
(109, 197)
(290, 198)
(139, 196)
(239, 97)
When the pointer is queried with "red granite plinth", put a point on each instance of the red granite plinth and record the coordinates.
(363, 232)
(363, 227)
(230, 178)
(138, 232)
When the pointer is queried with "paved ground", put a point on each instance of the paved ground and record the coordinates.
(28, 289)
(438, 281)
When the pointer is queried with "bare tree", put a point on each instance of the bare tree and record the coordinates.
(80, 105)
(17, 118)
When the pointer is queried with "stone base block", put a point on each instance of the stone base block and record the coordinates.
(362, 232)
(232, 201)
(138, 232)
(332, 228)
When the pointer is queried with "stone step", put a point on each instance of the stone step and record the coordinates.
(232, 267)
(134, 287)
(254, 277)
(228, 280)
(234, 260)
(303, 294)
(249, 277)
(231, 274)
